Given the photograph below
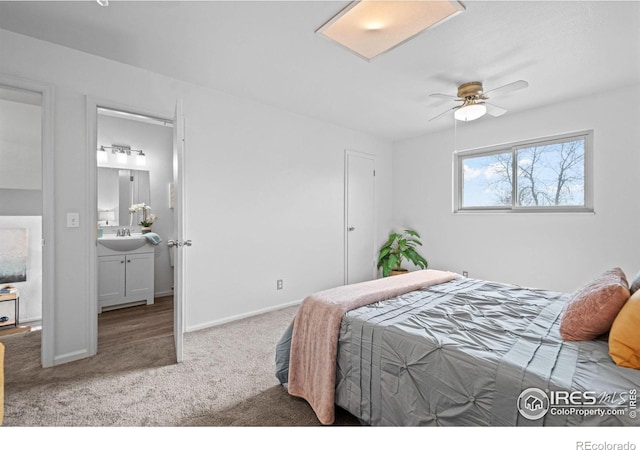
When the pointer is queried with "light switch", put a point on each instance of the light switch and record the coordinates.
(73, 220)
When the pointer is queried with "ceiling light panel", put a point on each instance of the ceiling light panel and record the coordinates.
(371, 27)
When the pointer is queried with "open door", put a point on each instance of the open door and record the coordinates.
(176, 244)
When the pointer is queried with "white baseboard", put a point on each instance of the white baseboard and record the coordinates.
(242, 316)
(73, 356)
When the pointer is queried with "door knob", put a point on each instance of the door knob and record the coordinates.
(352, 228)
(174, 243)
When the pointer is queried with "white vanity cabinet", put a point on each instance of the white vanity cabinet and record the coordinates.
(125, 277)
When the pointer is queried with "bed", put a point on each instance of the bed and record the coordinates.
(463, 352)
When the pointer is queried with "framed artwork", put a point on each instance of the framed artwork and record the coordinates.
(13, 255)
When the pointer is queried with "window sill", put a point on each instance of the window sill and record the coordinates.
(584, 211)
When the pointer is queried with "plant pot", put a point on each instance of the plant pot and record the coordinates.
(145, 230)
(399, 272)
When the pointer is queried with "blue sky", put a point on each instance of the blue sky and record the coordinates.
(485, 179)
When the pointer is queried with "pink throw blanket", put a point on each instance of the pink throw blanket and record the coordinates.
(316, 328)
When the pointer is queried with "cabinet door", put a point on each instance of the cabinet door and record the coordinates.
(111, 271)
(139, 285)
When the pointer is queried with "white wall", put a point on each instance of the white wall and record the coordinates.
(21, 161)
(550, 251)
(20, 153)
(265, 195)
(264, 189)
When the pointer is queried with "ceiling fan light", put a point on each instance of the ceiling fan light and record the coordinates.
(470, 112)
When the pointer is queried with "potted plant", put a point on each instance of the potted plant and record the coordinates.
(400, 246)
(147, 218)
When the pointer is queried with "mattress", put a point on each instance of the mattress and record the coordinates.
(474, 352)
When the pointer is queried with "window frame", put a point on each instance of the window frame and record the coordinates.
(458, 175)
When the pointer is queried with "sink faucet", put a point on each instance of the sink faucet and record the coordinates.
(123, 232)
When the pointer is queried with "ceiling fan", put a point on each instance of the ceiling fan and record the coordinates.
(474, 100)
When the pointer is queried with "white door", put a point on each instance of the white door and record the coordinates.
(360, 260)
(178, 244)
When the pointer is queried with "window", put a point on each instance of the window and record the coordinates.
(549, 174)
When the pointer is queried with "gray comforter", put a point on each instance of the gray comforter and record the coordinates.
(462, 352)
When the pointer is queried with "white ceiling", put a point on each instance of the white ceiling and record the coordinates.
(268, 51)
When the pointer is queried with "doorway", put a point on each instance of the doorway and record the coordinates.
(134, 184)
(360, 261)
(21, 216)
(26, 193)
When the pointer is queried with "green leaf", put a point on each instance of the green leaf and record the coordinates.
(416, 258)
(412, 233)
(415, 242)
(386, 268)
(389, 264)
(384, 252)
(393, 237)
(393, 260)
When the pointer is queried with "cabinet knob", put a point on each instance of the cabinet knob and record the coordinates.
(128, 260)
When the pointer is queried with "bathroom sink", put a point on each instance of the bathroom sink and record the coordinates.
(123, 243)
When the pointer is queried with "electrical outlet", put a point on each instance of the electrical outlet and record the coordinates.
(465, 273)
(279, 284)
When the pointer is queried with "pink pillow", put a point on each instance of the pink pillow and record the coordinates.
(591, 310)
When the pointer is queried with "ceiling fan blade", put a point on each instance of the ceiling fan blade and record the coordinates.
(494, 110)
(516, 85)
(447, 96)
(443, 113)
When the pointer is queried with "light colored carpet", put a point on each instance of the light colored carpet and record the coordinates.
(227, 379)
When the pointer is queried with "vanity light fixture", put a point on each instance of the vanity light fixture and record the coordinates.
(371, 27)
(141, 159)
(122, 153)
(121, 156)
(103, 156)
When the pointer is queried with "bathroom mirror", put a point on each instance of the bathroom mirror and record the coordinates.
(118, 189)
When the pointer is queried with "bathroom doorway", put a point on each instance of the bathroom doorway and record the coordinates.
(134, 186)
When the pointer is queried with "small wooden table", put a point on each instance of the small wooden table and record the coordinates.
(9, 312)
